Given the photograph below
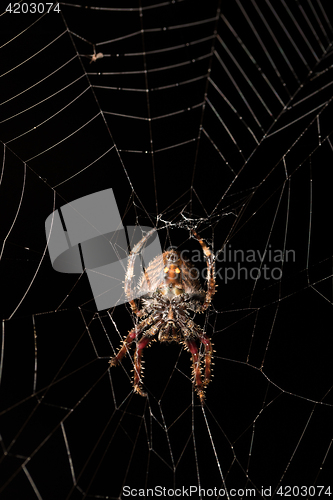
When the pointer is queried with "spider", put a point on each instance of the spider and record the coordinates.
(170, 293)
(94, 56)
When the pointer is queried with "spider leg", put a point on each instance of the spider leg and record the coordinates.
(211, 287)
(132, 335)
(199, 387)
(208, 358)
(142, 343)
(130, 272)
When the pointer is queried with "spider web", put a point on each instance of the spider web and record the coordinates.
(200, 115)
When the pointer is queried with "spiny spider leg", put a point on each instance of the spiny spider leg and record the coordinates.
(191, 329)
(129, 339)
(130, 271)
(192, 347)
(208, 358)
(211, 287)
(142, 343)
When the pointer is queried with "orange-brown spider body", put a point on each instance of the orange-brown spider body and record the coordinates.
(169, 292)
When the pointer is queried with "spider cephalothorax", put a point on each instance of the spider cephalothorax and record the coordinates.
(169, 292)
